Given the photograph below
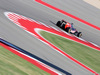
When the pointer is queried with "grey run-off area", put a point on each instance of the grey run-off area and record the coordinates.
(29, 8)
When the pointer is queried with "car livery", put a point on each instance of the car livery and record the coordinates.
(68, 27)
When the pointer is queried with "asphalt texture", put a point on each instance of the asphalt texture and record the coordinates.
(29, 8)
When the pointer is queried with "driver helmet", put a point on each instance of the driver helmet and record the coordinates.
(71, 23)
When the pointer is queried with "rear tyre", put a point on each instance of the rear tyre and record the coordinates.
(58, 23)
(68, 30)
(63, 26)
(79, 34)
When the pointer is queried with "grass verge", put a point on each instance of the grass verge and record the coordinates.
(11, 64)
(82, 53)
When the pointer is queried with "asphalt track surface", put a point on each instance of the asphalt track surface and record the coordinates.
(29, 8)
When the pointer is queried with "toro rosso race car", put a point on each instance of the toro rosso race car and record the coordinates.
(68, 27)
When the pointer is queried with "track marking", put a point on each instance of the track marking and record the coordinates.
(29, 25)
(68, 14)
(32, 25)
(31, 60)
(62, 52)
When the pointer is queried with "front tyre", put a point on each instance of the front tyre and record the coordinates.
(79, 34)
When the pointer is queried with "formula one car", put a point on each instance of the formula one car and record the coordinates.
(68, 27)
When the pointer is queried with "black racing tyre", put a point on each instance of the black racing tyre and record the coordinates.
(63, 26)
(58, 23)
(79, 34)
(68, 29)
